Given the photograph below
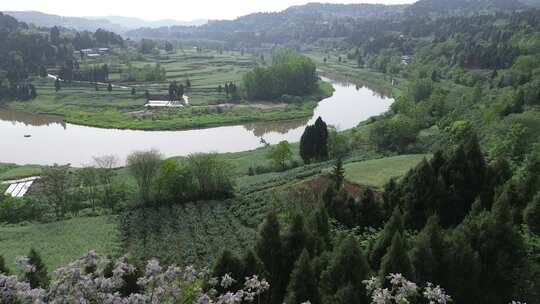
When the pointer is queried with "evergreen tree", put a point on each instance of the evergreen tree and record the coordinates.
(391, 197)
(463, 179)
(370, 212)
(498, 173)
(39, 277)
(269, 251)
(3, 267)
(338, 173)
(57, 85)
(42, 72)
(294, 242)
(420, 192)
(133, 91)
(314, 142)
(428, 252)
(396, 259)
(231, 265)
(252, 265)
(347, 268)
(501, 252)
(393, 226)
(321, 230)
(303, 283)
(109, 87)
(513, 200)
(33, 93)
(532, 215)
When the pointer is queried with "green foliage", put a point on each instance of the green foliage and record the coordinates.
(279, 154)
(188, 234)
(426, 255)
(303, 284)
(289, 74)
(396, 259)
(38, 277)
(391, 228)
(338, 173)
(396, 134)
(145, 73)
(532, 215)
(211, 175)
(314, 142)
(420, 89)
(145, 166)
(3, 267)
(269, 250)
(347, 268)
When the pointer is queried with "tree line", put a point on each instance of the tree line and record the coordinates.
(289, 74)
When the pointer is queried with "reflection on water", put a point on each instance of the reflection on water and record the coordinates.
(259, 129)
(54, 141)
(30, 119)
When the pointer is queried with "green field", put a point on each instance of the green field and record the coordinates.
(379, 171)
(82, 104)
(12, 171)
(61, 242)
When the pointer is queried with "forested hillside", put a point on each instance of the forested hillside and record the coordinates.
(27, 50)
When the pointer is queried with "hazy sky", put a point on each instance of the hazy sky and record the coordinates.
(163, 9)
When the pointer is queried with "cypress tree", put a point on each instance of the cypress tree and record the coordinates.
(391, 197)
(427, 252)
(252, 265)
(338, 173)
(57, 85)
(39, 277)
(347, 267)
(295, 241)
(394, 225)
(321, 152)
(420, 195)
(314, 142)
(231, 265)
(269, 251)
(396, 259)
(303, 283)
(371, 214)
(321, 227)
(498, 173)
(513, 200)
(3, 267)
(532, 215)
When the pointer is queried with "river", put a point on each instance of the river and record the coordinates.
(53, 141)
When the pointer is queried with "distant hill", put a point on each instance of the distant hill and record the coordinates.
(297, 22)
(111, 23)
(461, 7)
(134, 23)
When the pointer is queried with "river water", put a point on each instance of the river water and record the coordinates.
(53, 141)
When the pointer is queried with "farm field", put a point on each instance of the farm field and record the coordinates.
(377, 172)
(190, 234)
(80, 103)
(60, 242)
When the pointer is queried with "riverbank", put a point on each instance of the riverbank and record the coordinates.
(114, 110)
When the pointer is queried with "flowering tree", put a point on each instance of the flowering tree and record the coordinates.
(88, 281)
(402, 291)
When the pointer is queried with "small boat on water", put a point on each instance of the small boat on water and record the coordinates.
(27, 135)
